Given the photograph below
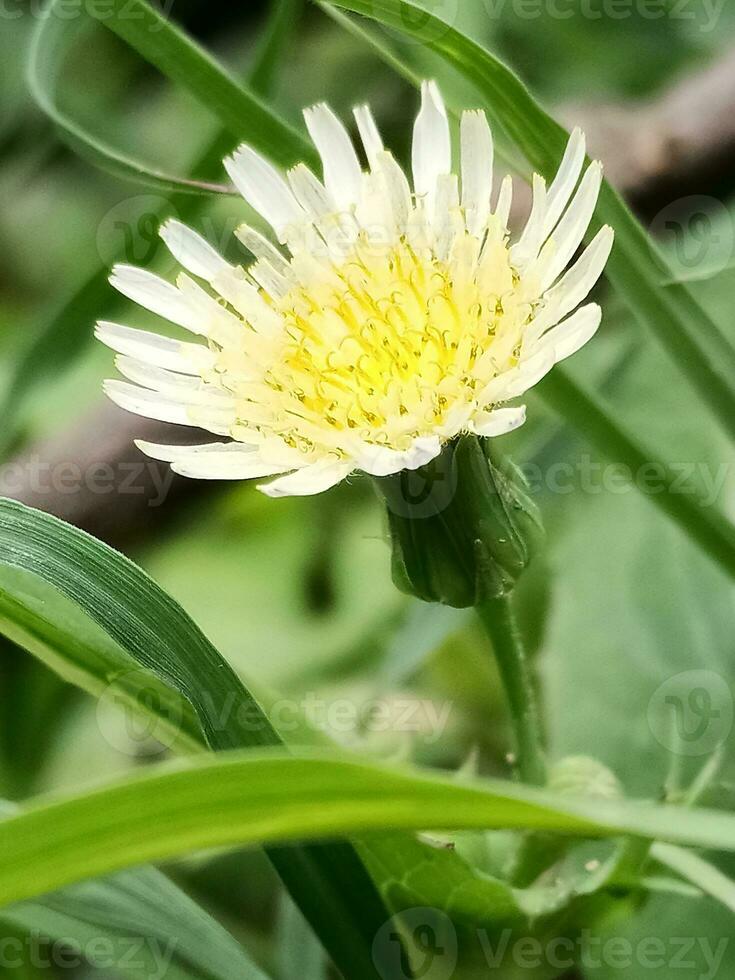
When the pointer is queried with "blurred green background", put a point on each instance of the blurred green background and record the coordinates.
(297, 593)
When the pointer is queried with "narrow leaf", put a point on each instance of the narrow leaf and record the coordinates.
(137, 924)
(269, 797)
(55, 37)
(328, 882)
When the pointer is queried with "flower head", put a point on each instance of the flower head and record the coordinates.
(396, 315)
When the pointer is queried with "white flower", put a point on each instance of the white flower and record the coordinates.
(391, 321)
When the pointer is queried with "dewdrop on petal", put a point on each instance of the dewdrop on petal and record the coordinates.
(393, 315)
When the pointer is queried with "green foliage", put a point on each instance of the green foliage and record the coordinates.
(296, 595)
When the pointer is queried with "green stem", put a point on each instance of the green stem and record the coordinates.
(684, 505)
(499, 621)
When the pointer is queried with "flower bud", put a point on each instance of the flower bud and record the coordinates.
(462, 527)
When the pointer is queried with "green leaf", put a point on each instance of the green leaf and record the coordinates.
(46, 623)
(280, 29)
(56, 36)
(269, 797)
(328, 882)
(299, 956)
(183, 61)
(136, 924)
(697, 871)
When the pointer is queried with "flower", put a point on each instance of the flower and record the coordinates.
(394, 320)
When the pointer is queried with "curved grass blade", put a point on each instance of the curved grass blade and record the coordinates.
(636, 268)
(54, 37)
(184, 62)
(328, 882)
(281, 27)
(67, 329)
(270, 797)
(697, 872)
(137, 924)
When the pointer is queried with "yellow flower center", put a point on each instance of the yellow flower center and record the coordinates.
(388, 346)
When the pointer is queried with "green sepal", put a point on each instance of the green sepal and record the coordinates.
(463, 528)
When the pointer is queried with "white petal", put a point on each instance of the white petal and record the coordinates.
(213, 319)
(342, 170)
(144, 402)
(264, 189)
(269, 279)
(184, 387)
(565, 181)
(448, 222)
(261, 248)
(155, 349)
(156, 295)
(397, 188)
(310, 479)
(168, 453)
(379, 461)
(499, 422)
(309, 192)
(575, 284)
(568, 336)
(224, 466)
(527, 247)
(477, 170)
(245, 298)
(530, 372)
(505, 200)
(151, 405)
(431, 153)
(369, 133)
(212, 461)
(570, 231)
(192, 251)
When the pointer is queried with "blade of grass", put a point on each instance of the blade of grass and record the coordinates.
(684, 504)
(697, 872)
(180, 59)
(270, 797)
(141, 910)
(328, 881)
(53, 40)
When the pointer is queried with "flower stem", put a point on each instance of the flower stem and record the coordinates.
(499, 621)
